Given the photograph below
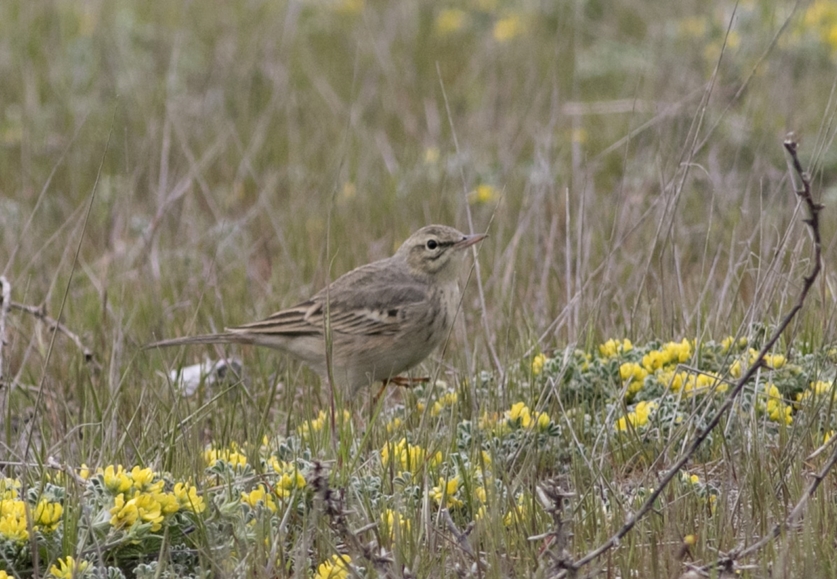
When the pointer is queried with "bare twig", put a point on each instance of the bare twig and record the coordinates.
(460, 536)
(53, 324)
(802, 188)
(331, 503)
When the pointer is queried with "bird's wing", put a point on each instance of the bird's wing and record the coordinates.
(365, 301)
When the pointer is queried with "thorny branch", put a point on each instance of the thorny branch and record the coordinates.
(802, 188)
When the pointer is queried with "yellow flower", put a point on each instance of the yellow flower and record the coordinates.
(543, 420)
(229, 455)
(143, 478)
(141, 508)
(519, 415)
(168, 503)
(188, 499)
(450, 20)
(538, 364)
(149, 510)
(68, 568)
(447, 399)
(775, 407)
(290, 478)
(774, 361)
(311, 426)
(48, 514)
(508, 28)
(613, 348)
(815, 389)
(13, 525)
(394, 425)
(9, 488)
(407, 457)
(638, 417)
(483, 194)
(259, 495)
(444, 493)
(390, 520)
(518, 513)
(116, 479)
(633, 375)
(335, 568)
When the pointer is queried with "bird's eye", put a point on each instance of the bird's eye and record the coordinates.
(432, 244)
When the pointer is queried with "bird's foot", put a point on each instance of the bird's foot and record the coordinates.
(407, 381)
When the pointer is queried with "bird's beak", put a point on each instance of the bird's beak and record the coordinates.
(470, 240)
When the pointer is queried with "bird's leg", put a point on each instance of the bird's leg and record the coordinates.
(408, 381)
(405, 381)
(380, 392)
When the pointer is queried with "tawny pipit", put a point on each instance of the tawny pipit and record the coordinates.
(383, 318)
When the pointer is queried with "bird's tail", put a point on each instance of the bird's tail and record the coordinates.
(224, 338)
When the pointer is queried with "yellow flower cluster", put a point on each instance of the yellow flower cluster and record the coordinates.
(139, 497)
(692, 383)
(68, 568)
(445, 493)
(633, 375)
(815, 390)
(771, 403)
(290, 479)
(670, 353)
(613, 348)
(520, 416)
(729, 342)
(538, 363)
(229, 455)
(335, 568)
(407, 457)
(445, 400)
(46, 516)
(317, 424)
(638, 417)
(259, 495)
(394, 524)
(519, 512)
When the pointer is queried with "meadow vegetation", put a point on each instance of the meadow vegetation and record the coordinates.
(171, 168)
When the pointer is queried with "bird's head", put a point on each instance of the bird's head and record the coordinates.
(435, 250)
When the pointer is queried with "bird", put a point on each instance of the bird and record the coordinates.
(381, 319)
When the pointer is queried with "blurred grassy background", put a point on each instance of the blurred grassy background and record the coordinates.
(625, 160)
